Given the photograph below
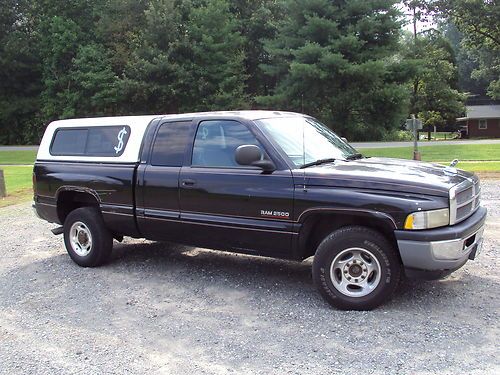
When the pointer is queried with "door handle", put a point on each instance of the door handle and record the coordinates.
(188, 182)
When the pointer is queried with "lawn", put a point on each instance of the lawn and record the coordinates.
(479, 166)
(18, 183)
(474, 158)
(441, 153)
(17, 157)
(17, 178)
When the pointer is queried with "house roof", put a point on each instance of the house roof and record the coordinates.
(481, 112)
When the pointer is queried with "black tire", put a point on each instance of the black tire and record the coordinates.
(99, 249)
(364, 243)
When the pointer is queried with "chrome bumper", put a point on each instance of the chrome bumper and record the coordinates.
(442, 249)
(458, 249)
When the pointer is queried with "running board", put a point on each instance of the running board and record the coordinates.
(58, 230)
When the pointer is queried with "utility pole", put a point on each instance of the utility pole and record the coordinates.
(416, 153)
(414, 125)
(3, 190)
(416, 80)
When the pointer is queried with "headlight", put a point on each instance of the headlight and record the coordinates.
(428, 219)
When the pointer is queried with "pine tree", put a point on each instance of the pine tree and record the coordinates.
(190, 58)
(334, 60)
(20, 75)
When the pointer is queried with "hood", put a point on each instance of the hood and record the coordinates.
(386, 174)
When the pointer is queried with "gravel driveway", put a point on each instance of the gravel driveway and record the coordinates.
(168, 309)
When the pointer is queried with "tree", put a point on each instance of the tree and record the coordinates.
(20, 75)
(189, 57)
(218, 57)
(335, 60)
(152, 69)
(466, 63)
(436, 99)
(477, 20)
(256, 20)
(93, 83)
(118, 26)
(58, 48)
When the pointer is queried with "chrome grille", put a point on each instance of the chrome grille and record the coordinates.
(464, 196)
(464, 200)
(464, 210)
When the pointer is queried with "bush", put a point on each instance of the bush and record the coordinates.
(397, 135)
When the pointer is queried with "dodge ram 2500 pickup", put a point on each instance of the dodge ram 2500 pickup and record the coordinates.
(274, 184)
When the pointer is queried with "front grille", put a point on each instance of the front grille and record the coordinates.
(463, 211)
(464, 196)
(464, 200)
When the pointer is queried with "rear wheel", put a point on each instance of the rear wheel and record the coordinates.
(356, 268)
(87, 240)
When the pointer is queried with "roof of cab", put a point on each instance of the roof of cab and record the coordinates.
(245, 114)
(146, 119)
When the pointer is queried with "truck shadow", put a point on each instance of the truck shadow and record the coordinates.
(201, 276)
(254, 272)
(170, 257)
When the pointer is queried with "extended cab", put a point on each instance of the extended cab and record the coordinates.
(267, 183)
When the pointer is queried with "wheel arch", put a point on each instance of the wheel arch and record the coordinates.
(317, 224)
(69, 198)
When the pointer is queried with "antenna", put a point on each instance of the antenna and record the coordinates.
(304, 151)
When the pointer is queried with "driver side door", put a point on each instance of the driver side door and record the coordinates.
(228, 206)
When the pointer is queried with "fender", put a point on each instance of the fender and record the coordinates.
(300, 248)
(78, 189)
(384, 217)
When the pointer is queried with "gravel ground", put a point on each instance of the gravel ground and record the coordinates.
(163, 309)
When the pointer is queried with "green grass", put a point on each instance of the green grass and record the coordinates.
(480, 166)
(474, 158)
(17, 178)
(18, 182)
(17, 157)
(441, 153)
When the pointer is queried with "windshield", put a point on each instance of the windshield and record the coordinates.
(305, 140)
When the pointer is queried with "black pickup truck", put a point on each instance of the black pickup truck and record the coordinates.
(274, 184)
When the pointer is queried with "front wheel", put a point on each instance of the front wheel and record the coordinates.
(356, 268)
(86, 237)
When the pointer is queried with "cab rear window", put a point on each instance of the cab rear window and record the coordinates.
(170, 144)
(92, 141)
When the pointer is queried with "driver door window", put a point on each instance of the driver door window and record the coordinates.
(216, 142)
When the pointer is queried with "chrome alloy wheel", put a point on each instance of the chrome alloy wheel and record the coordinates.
(80, 238)
(355, 272)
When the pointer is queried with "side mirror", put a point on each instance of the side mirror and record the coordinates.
(252, 155)
(344, 139)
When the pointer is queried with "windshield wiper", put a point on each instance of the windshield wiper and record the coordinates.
(317, 162)
(355, 156)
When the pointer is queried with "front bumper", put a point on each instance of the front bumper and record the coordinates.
(435, 253)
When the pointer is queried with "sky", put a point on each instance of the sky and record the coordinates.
(420, 25)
